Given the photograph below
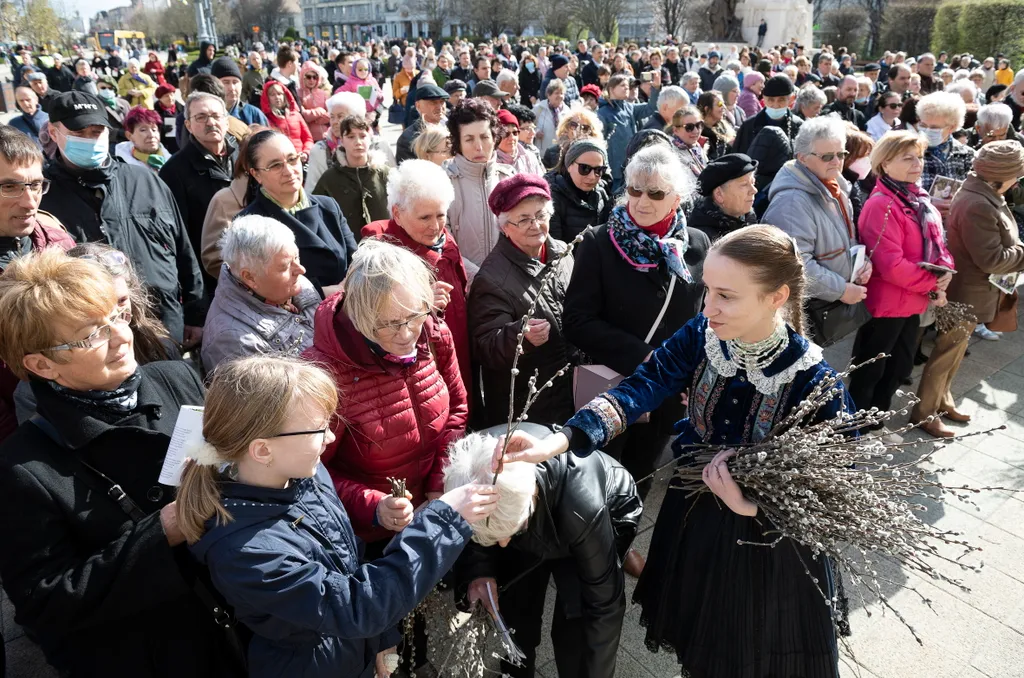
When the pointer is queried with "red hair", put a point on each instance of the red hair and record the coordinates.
(138, 116)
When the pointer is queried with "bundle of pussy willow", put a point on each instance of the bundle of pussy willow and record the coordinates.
(844, 496)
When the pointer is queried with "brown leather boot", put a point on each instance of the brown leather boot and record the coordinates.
(634, 564)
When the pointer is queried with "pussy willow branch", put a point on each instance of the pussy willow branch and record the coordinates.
(513, 422)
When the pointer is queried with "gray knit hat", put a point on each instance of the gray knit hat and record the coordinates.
(578, 148)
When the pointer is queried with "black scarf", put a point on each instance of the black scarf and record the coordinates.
(108, 406)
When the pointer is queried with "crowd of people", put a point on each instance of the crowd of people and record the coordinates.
(236, 234)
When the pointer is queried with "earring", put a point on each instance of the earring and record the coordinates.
(270, 463)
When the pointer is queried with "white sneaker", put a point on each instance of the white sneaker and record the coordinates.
(987, 334)
(890, 437)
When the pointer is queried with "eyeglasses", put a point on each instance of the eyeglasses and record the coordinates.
(583, 127)
(204, 118)
(15, 189)
(829, 157)
(101, 335)
(311, 76)
(526, 222)
(512, 131)
(892, 107)
(691, 126)
(656, 196)
(393, 328)
(586, 169)
(319, 431)
(278, 167)
(114, 261)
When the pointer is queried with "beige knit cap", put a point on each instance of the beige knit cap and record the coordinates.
(1000, 161)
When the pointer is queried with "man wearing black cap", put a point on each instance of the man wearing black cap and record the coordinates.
(844, 107)
(430, 104)
(726, 199)
(456, 92)
(560, 70)
(226, 70)
(778, 91)
(126, 207)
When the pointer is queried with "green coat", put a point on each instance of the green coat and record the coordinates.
(361, 192)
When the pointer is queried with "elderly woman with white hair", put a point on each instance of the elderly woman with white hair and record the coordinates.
(939, 115)
(572, 518)
(329, 152)
(263, 302)
(637, 279)
(419, 195)
(809, 102)
(509, 280)
(809, 200)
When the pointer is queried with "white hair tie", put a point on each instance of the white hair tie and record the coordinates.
(204, 454)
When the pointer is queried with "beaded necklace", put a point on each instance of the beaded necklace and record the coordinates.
(759, 354)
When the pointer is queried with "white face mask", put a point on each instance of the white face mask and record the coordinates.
(861, 167)
(933, 136)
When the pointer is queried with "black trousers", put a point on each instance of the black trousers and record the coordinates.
(638, 449)
(522, 608)
(874, 385)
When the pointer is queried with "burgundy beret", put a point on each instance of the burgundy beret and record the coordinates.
(505, 117)
(512, 191)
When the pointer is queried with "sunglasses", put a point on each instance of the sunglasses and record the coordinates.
(829, 157)
(586, 169)
(892, 107)
(573, 125)
(691, 126)
(656, 196)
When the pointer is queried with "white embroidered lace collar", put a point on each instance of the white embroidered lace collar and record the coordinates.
(764, 384)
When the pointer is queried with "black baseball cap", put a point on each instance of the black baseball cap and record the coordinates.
(78, 110)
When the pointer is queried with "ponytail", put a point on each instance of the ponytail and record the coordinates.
(199, 500)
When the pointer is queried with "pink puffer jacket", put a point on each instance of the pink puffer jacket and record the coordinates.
(314, 100)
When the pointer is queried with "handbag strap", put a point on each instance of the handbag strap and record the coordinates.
(661, 313)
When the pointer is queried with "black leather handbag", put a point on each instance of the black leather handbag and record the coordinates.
(832, 321)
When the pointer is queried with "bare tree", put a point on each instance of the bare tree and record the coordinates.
(672, 14)
(556, 17)
(519, 14)
(845, 26)
(436, 12)
(600, 16)
(267, 14)
(876, 19)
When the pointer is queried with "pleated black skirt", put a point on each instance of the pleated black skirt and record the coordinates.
(730, 610)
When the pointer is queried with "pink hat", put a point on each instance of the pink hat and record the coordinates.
(512, 191)
(752, 78)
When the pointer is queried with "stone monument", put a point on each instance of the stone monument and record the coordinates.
(788, 21)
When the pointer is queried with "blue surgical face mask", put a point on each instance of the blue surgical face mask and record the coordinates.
(861, 101)
(933, 136)
(530, 66)
(86, 153)
(106, 94)
(776, 113)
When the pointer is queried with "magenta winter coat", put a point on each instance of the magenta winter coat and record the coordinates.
(898, 287)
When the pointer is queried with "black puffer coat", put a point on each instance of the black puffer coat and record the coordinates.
(708, 217)
(584, 519)
(575, 209)
(500, 296)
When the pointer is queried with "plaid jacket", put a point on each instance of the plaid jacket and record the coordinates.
(950, 159)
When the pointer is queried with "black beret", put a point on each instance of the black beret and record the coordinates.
(428, 91)
(724, 169)
(778, 86)
(872, 67)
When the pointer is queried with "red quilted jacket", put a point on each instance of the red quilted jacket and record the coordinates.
(291, 125)
(447, 267)
(393, 421)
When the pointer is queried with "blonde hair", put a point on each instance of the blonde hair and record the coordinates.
(379, 268)
(893, 144)
(38, 289)
(248, 398)
(774, 260)
(469, 461)
(431, 140)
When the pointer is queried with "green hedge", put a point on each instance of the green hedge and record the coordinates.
(982, 27)
(946, 28)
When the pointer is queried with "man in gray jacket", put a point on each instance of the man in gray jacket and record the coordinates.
(809, 200)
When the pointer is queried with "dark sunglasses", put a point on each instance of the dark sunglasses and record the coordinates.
(691, 126)
(892, 106)
(586, 129)
(656, 196)
(829, 157)
(586, 169)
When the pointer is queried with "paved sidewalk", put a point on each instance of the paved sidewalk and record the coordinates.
(967, 635)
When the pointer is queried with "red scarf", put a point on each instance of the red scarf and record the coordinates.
(833, 187)
(543, 251)
(660, 229)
